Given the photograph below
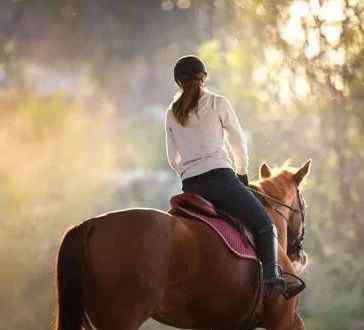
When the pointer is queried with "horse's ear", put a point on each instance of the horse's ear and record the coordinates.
(265, 171)
(302, 172)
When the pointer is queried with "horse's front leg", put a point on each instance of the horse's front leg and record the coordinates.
(288, 320)
(281, 314)
(295, 323)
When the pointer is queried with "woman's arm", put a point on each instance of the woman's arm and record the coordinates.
(236, 137)
(173, 155)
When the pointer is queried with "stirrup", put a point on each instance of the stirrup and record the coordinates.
(274, 287)
(294, 285)
(275, 284)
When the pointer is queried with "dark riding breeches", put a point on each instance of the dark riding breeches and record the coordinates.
(223, 188)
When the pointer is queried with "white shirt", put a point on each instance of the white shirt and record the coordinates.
(207, 139)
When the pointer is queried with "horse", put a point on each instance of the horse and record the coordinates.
(117, 270)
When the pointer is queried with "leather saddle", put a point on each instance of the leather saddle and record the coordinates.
(194, 203)
(194, 206)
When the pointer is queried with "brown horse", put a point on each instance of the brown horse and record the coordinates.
(119, 269)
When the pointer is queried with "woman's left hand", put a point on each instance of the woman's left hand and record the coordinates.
(244, 179)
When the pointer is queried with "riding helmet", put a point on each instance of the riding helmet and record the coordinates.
(187, 67)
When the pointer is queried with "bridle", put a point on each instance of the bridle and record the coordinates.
(295, 240)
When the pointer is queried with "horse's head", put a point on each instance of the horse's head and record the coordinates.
(287, 207)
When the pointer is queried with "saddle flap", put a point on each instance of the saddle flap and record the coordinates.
(233, 232)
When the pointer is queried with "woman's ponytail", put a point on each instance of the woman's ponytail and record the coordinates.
(189, 73)
(187, 102)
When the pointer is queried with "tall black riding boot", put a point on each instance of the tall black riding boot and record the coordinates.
(267, 243)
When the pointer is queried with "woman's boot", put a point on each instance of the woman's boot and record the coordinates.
(267, 243)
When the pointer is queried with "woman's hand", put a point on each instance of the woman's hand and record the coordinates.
(244, 179)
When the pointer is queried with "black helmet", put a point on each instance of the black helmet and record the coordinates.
(187, 67)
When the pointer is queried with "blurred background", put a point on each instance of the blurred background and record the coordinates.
(84, 85)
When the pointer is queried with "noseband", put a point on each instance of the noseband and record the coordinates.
(296, 247)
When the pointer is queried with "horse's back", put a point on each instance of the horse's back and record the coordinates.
(120, 243)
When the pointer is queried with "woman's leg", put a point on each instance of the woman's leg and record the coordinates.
(224, 189)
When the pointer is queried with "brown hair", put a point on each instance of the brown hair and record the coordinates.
(188, 100)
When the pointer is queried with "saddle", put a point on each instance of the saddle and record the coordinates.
(193, 203)
(234, 234)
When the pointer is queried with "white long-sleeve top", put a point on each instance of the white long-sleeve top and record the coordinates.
(207, 139)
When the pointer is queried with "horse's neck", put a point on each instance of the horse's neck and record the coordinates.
(277, 219)
(281, 226)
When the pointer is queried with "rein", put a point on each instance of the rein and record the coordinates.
(274, 200)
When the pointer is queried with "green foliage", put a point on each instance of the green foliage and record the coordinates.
(56, 172)
(211, 52)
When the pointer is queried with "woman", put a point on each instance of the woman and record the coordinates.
(196, 124)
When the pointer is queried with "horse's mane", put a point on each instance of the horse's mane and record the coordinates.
(280, 178)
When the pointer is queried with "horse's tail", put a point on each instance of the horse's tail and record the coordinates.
(69, 280)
